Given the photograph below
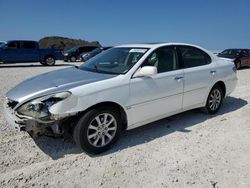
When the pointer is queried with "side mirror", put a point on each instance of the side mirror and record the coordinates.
(146, 71)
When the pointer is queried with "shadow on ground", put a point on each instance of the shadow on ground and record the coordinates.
(57, 148)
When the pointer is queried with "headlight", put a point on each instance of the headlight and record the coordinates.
(66, 54)
(39, 108)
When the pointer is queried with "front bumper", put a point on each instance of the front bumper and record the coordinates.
(13, 120)
(23, 123)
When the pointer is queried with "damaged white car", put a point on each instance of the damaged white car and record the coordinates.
(121, 88)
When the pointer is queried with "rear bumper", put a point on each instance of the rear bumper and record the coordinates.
(231, 85)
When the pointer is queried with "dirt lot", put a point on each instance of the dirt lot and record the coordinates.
(191, 149)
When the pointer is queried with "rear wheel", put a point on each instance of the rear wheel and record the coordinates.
(214, 100)
(49, 61)
(97, 130)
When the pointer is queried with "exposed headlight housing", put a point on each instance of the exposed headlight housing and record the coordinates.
(39, 108)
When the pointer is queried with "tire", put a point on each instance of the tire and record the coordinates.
(49, 61)
(214, 100)
(72, 59)
(93, 135)
(238, 64)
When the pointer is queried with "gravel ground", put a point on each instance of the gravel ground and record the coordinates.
(191, 149)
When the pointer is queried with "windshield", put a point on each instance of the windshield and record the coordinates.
(114, 60)
(72, 49)
(2, 44)
(97, 50)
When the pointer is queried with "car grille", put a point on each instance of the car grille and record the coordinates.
(11, 104)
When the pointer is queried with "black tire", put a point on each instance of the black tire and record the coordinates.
(73, 58)
(49, 61)
(83, 131)
(214, 104)
(238, 64)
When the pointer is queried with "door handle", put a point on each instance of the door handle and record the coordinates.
(178, 78)
(213, 72)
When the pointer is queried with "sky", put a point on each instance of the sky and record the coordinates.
(212, 24)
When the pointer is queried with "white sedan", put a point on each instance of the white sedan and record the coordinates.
(121, 88)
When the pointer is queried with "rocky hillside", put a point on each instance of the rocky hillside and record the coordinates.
(64, 43)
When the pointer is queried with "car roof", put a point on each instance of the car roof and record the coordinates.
(236, 49)
(155, 45)
(161, 44)
(21, 41)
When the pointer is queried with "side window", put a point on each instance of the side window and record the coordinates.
(225, 52)
(244, 52)
(12, 44)
(82, 49)
(164, 59)
(28, 45)
(193, 57)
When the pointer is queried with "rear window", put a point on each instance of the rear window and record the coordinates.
(86, 49)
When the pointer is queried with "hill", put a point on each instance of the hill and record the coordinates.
(64, 43)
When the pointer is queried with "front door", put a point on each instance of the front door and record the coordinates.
(160, 95)
(12, 52)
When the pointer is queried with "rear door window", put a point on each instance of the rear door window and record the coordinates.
(193, 57)
(28, 45)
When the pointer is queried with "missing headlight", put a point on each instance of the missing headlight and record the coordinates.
(39, 108)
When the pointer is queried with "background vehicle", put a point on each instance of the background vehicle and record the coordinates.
(28, 51)
(73, 54)
(241, 57)
(121, 88)
(88, 55)
(2, 42)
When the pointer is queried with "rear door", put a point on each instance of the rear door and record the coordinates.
(199, 73)
(29, 50)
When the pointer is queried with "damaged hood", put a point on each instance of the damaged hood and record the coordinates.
(53, 82)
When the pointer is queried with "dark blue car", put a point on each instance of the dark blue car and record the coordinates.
(28, 51)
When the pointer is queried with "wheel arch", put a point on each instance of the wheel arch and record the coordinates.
(222, 86)
(46, 56)
(115, 105)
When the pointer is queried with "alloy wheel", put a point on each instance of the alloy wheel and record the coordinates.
(50, 61)
(102, 130)
(214, 99)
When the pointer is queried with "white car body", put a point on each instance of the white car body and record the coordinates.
(147, 99)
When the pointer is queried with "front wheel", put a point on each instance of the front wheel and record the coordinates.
(214, 100)
(49, 61)
(97, 130)
(72, 59)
